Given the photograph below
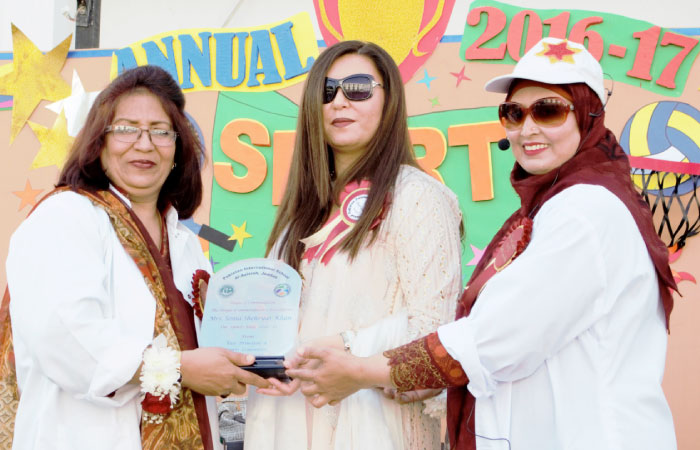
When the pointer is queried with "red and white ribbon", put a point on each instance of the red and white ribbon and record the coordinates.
(325, 242)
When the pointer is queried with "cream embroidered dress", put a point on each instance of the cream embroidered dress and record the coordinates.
(401, 287)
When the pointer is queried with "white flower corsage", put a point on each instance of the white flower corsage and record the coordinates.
(160, 380)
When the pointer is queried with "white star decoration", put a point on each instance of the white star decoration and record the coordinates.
(76, 106)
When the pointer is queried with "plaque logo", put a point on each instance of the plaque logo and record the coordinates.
(226, 290)
(282, 290)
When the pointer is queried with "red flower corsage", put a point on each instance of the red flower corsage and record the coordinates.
(160, 380)
(156, 404)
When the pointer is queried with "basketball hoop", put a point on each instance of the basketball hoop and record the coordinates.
(670, 189)
(662, 140)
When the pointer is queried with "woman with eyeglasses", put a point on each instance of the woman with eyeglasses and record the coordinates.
(560, 337)
(106, 289)
(377, 242)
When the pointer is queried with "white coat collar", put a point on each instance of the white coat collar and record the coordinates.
(176, 236)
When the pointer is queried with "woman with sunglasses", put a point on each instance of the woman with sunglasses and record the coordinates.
(377, 242)
(560, 337)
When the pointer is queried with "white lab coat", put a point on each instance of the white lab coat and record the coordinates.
(81, 317)
(565, 348)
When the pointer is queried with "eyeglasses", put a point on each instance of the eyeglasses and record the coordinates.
(357, 87)
(547, 112)
(129, 134)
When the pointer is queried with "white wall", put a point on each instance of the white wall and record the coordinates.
(42, 21)
(126, 21)
(665, 13)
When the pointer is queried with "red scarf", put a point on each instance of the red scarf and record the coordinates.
(599, 161)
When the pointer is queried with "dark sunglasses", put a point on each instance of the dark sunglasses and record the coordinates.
(547, 112)
(355, 87)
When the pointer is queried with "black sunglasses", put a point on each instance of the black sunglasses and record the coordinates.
(355, 87)
(548, 112)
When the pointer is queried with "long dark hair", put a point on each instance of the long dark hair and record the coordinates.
(310, 192)
(83, 169)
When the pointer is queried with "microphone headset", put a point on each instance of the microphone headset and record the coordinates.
(504, 144)
(608, 93)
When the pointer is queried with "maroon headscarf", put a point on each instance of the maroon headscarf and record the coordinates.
(599, 160)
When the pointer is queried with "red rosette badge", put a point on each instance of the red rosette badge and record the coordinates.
(325, 242)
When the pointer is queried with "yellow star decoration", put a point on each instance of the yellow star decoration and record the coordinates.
(34, 77)
(55, 143)
(28, 195)
(4, 70)
(559, 52)
(240, 234)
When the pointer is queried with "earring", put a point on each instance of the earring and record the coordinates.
(174, 164)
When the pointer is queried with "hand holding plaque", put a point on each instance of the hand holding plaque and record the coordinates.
(253, 307)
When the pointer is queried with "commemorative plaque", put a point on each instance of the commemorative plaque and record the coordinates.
(252, 306)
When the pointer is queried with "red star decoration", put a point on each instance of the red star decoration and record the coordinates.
(559, 52)
(460, 76)
(28, 195)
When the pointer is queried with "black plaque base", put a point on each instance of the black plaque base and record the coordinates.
(268, 367)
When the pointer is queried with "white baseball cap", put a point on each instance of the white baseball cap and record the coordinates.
(554, 61)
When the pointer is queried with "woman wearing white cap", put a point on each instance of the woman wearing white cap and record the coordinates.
(560, 337)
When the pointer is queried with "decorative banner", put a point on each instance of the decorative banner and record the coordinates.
(631, 51)
(247, 59)
(5, 102)
(453, 127)
(679, 276)
(35, 76)
(55, 143)
(240, 234)
(409, 30)
(663, 141)
(253, 141)
(27, 196)
(664, 132)
(473, 168)
(76, 107)
(252, 144)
